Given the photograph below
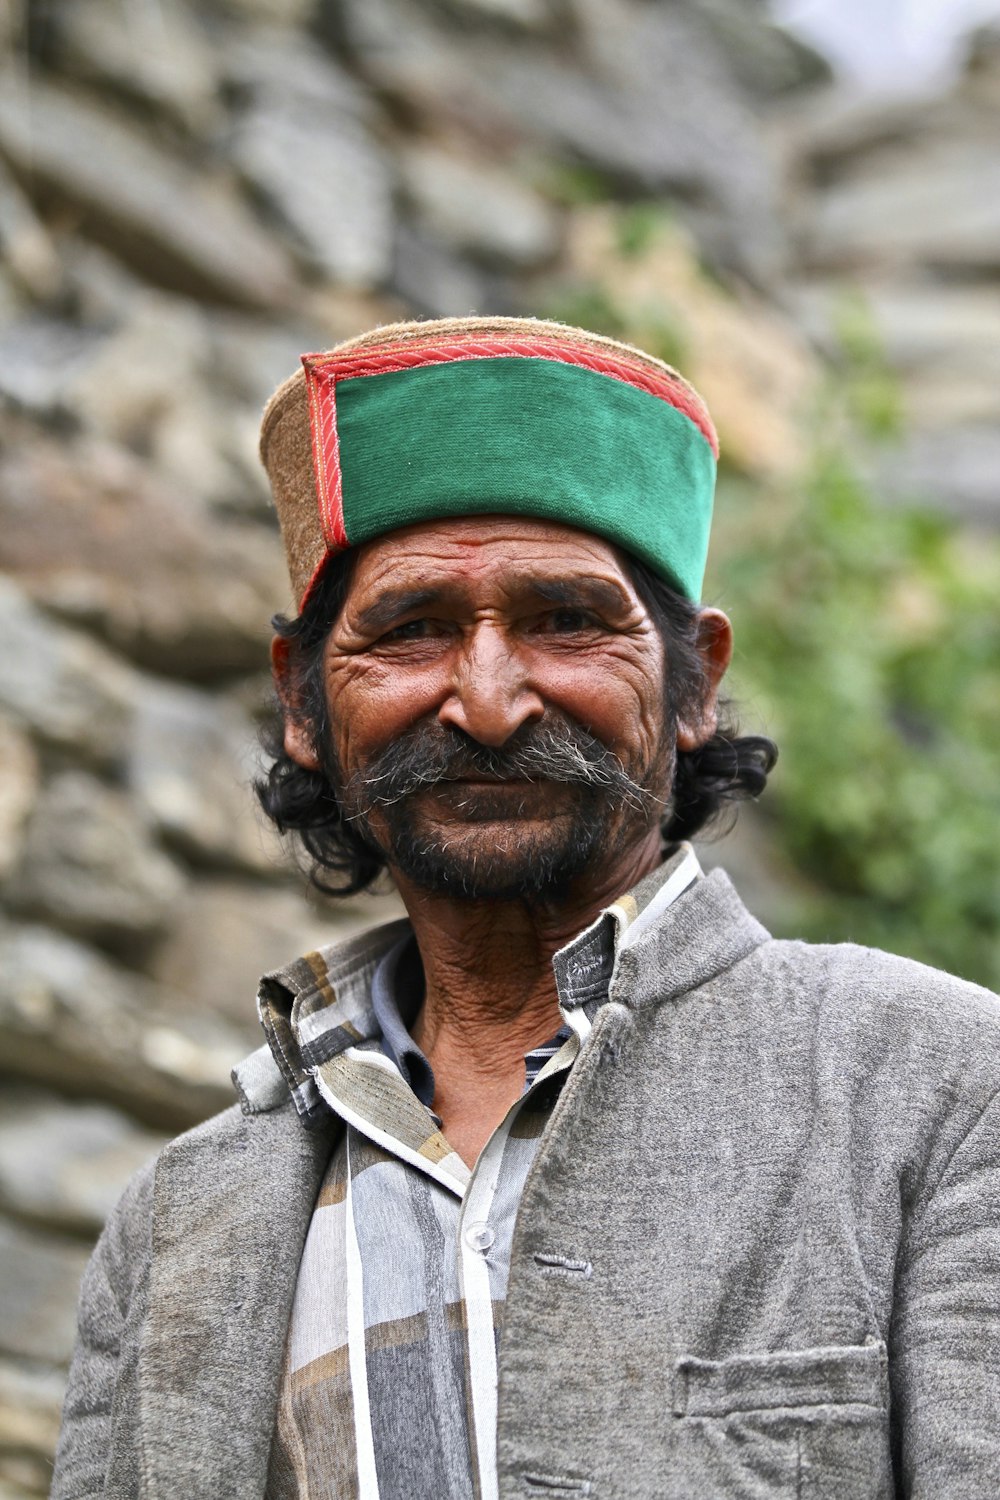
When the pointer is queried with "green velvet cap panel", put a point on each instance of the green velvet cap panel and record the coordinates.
(528, 437)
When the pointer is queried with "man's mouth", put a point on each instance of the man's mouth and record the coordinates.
(488, 798)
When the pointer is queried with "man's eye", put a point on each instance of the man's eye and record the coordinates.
(412, 630)
(567, 621)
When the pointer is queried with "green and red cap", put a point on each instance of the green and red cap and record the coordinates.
(461, 417)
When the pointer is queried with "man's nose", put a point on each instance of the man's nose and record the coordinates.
(491, 695)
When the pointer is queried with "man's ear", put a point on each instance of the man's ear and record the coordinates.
(299, 743)
(715, 647)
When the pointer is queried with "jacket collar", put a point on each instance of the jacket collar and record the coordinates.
(697, 938)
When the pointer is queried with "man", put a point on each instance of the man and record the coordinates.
(575, 1183)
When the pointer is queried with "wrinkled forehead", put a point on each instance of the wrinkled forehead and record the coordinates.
(490, 559)
(487, 544)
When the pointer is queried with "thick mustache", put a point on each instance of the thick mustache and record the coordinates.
(557, 750)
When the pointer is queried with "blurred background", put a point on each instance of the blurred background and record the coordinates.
(800, 206)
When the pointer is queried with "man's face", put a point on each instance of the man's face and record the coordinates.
(496, 694)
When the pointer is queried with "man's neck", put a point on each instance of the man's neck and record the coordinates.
(490, 988)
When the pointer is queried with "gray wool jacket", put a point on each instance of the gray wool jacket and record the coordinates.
(780, 1164)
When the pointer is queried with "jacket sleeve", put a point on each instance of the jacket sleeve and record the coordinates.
(945, 1336)
(116, 1268)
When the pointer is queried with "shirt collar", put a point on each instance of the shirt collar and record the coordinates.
(329, 1000)
(585, 967)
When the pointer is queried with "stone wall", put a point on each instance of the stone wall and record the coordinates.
(189, 197)
(900, 199)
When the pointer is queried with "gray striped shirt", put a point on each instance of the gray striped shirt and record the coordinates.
(390, 1376)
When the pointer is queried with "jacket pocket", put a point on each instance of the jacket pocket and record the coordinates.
(802, 1422)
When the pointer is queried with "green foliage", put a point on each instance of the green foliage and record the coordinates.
(870, 388)
(586, 305)
(873, 640)
(591, 304)
(573, 184)
(639, 227)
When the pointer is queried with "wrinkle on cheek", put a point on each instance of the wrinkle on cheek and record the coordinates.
(344, 674)
(644, 674)
(617, 694)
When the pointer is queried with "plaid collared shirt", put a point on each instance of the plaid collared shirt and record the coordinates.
(390, 1377)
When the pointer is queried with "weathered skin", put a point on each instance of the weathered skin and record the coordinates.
(485, 624)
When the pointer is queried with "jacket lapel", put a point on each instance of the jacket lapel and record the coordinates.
(231, 1207)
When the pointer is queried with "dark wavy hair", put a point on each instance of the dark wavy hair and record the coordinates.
(707, 781)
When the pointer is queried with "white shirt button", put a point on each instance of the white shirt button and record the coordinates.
(479, 1237)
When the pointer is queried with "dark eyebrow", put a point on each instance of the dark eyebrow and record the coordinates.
(581, 591)
(391, 605)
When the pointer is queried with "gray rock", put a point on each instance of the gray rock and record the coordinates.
(64, 1165)
(228, 933)
(192, 235)
(957, 470)
(947, 328)
(90, 865)
(939, 208)
(477, 210)
(191, 761)
(278, 63)
(322, 171)
(155, 53)
(38, 1292)
(30, 1407)
(402, 47)
(26, 245)
(253, 357)
(918, 323)
(959, 396)
(19, 781)
(766, 59)
(528, 15)
(103, 288)
(40, 357)
(286, 12)
(981, 82)
(87, 528)
(439, 283)
(942, 341)
(150, 386)
(664, 112)
(73, 1021)
(155, 359)
(64, 688)
(11, 300)
(831, 133)
(647, 98)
